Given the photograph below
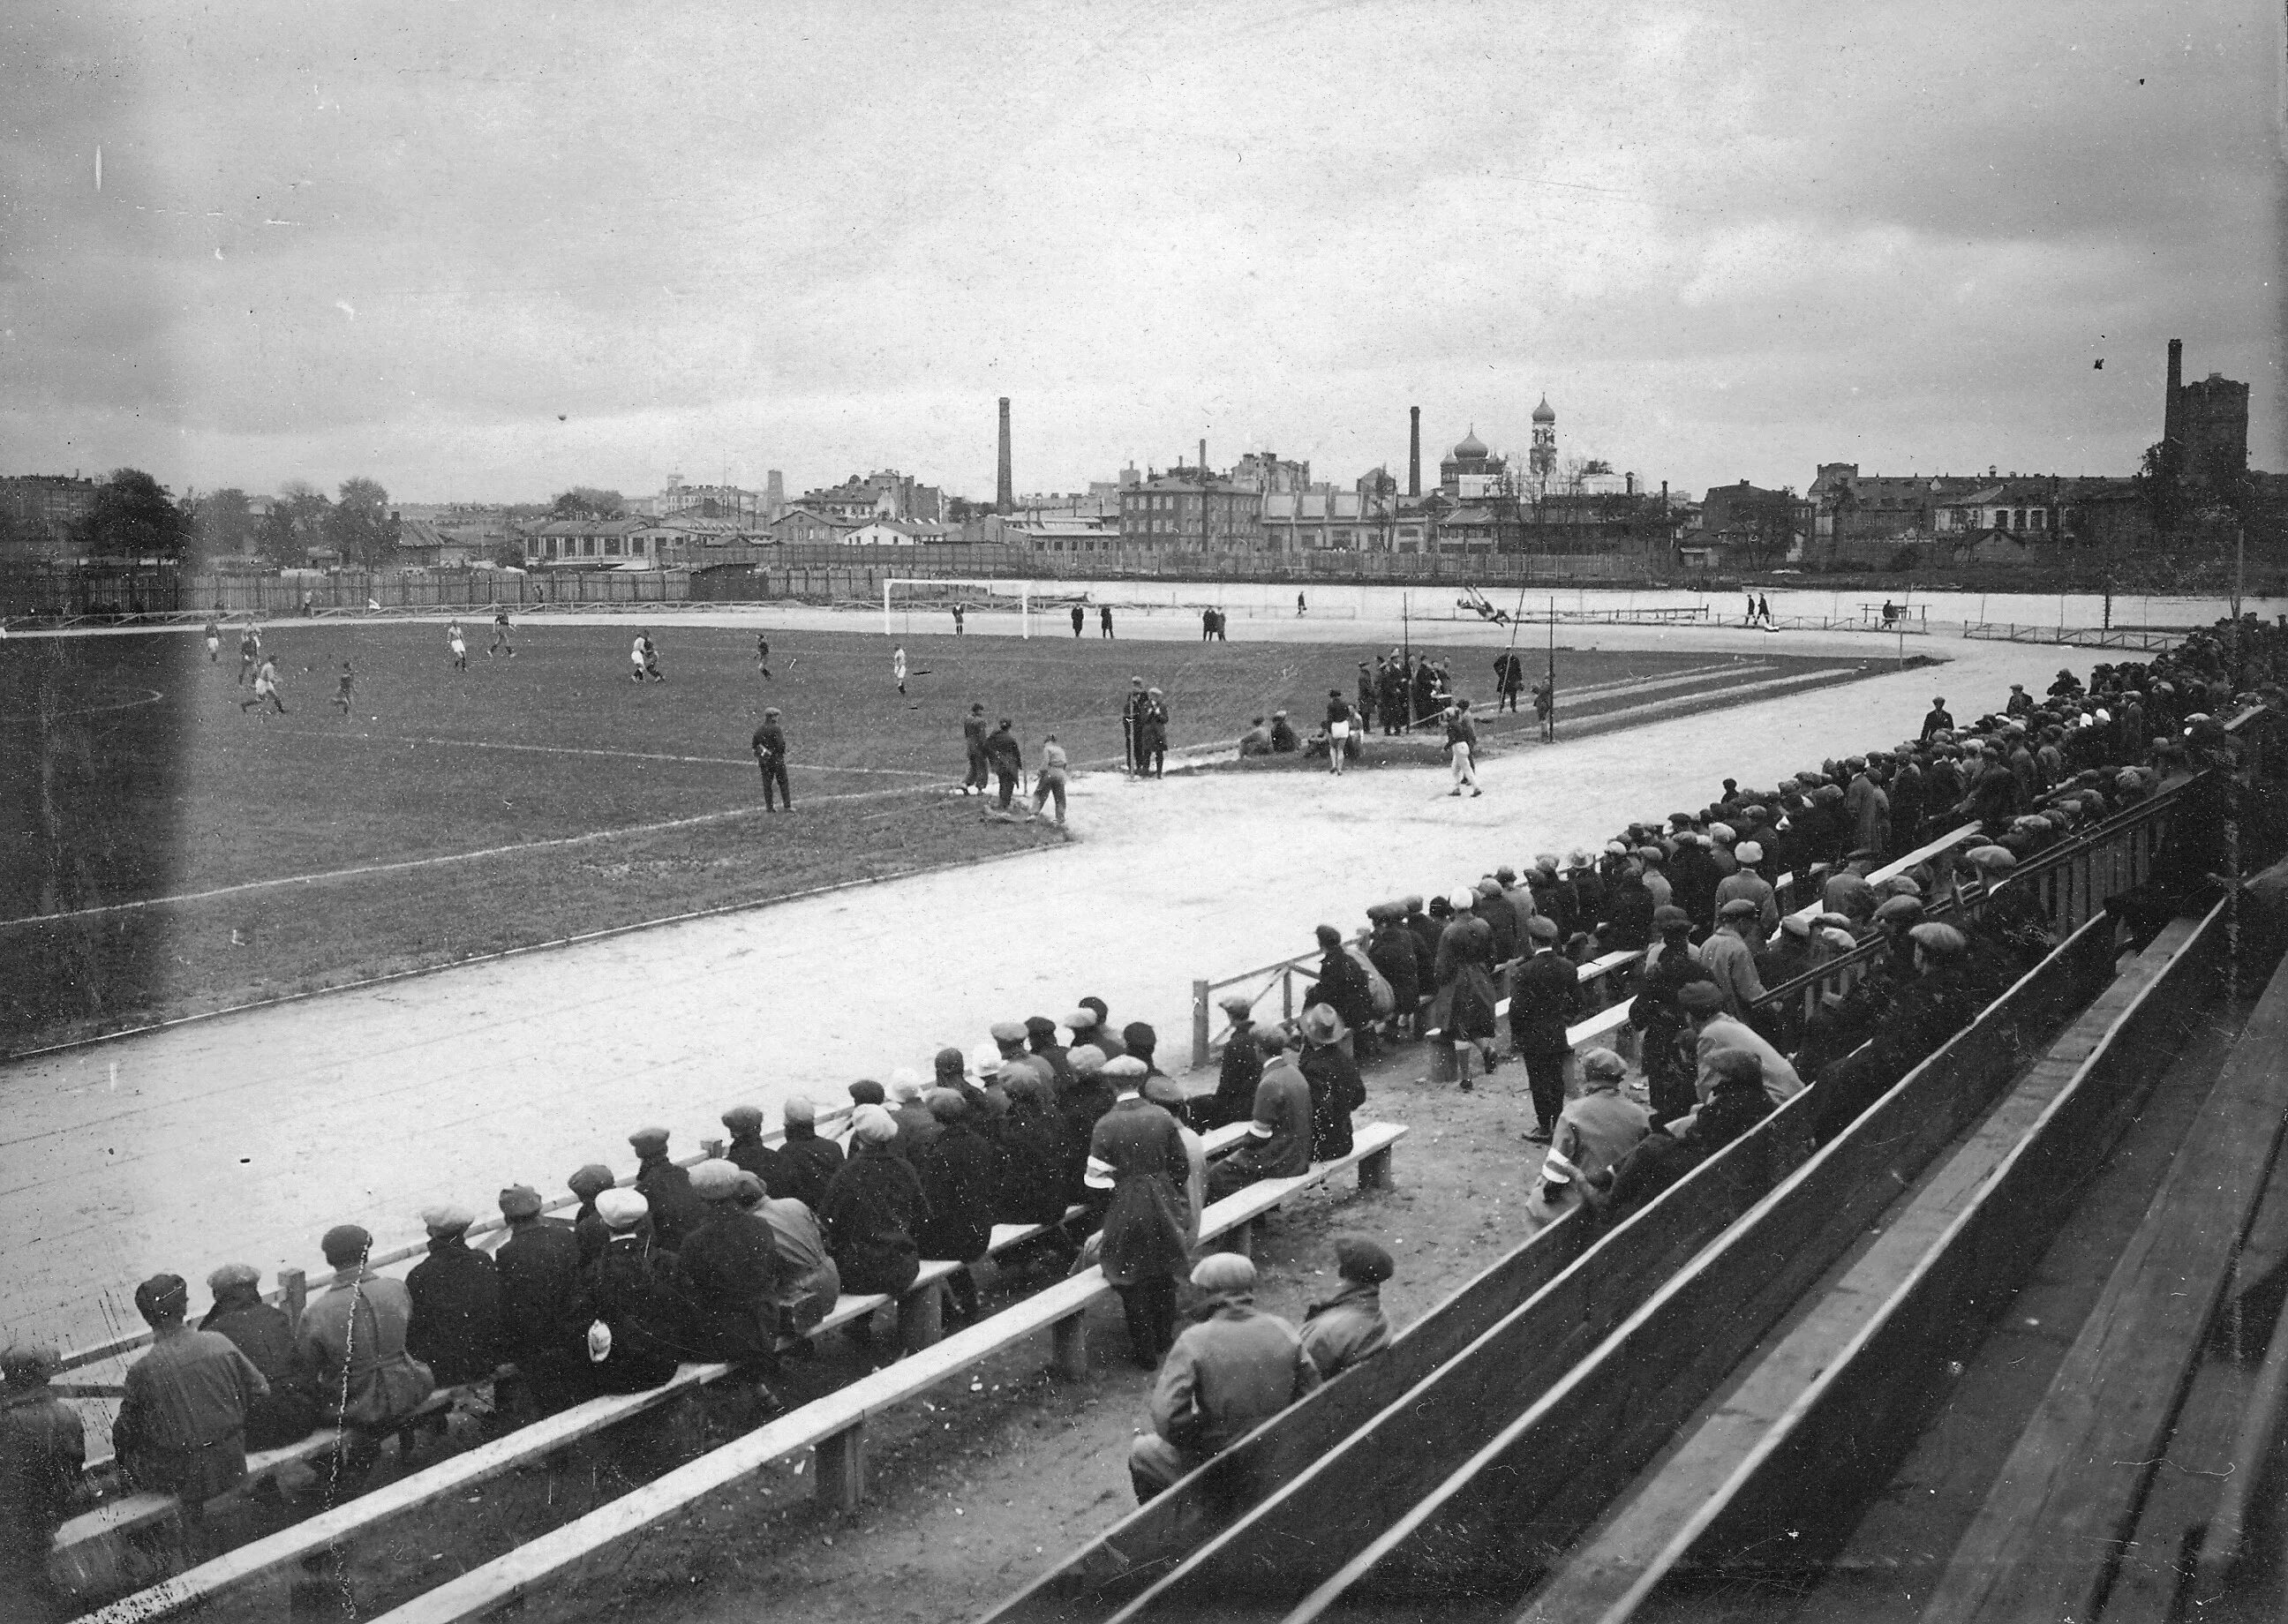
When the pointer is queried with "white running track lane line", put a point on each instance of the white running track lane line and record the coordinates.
(572, 750)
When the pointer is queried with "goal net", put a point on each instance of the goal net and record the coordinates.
(930, 603)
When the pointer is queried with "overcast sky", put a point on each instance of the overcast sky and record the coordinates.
(488, 250)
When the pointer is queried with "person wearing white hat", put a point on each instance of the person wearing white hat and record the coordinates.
(1234, 1367)
(917, 1129)
(635, 1341)
(456, 1292)
(1747, 882)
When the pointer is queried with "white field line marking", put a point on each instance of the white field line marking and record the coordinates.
(572, 750)
(432, 862)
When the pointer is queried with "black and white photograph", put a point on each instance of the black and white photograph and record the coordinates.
(1517, 849)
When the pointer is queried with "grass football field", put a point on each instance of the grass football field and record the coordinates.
(173, 851)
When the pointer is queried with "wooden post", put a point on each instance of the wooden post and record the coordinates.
(1200, 1045)
(293, 1294)
(842, 1468)
(921, 1316)
(1242, 1239)
(1069, 1336)
(1374, 1172)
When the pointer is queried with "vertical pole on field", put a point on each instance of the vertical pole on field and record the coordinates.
(1024, 610)
(886, 605)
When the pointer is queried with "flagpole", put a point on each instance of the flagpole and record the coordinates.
(1553, 670)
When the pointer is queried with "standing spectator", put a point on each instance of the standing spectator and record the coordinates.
(289, 1412)
(1136, 1174)
(746, 1150)
(973, 743)
(1658, 1012)
(1132, 719)
(1463, 1011)
(1079, 617)
(1350, 1328)
(666, 1189)
(1729, 957)
(1279, 1137)
(1152, 735)
(1337, 1089)
(1545, 999)
(1104, 620)
(805, 1162)
(1232, 1368)
(455, 1327)
(543, 1303)
(1392, 948)
(960, 1175)
(352, 1340)
(1052, 779)
(1007, 759)
(636, 1340)
(1749, 884)
(181, 1426)
(770, 747)
(872, 1210)
(1339, 730)
(43, 1449)
(1462, 749)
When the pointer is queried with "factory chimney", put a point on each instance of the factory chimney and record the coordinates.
(1004, 489)
(1414, 452)
(2170, 403)
(1203, 457)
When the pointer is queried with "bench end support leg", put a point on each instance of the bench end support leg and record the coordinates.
(1374, 1172)
(842, 1468)
(1069, 1335)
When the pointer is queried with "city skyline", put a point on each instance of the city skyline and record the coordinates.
(484, 257)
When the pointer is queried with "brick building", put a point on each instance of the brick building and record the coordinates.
(1191, 510)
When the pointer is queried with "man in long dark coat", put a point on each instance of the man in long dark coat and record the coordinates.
(726, 1273)
(456, 1291)
(1545, 999)
(1342, 982)
(806, 1162)
(1136, 1173)
(289, 1412)
(675, 1211)
(960, 1175)
(873, 1210)
(632, 1288)
(544, 1302)
(1463, 1012)
(1395, 953)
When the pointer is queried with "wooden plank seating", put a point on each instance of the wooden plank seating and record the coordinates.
(75, 1563)
(1671, 1298)
(834, 1426)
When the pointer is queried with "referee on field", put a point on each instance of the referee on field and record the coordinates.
(770, 747)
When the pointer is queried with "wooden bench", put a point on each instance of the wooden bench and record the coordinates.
(73, 1560)
(834, 1426)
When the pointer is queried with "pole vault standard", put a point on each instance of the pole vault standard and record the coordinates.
(990, 588)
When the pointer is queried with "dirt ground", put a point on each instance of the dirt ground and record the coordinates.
(994, 1476)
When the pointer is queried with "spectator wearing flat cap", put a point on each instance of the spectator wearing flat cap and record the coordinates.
(1626, 924)
(352, 1341)
(181, 1428)
(1337, 1089)
(1041, 1039)
(1545, 1000)
(544, 1311)
(666, 1188)
(1736, 1102)
(43, 1450)
(1658, 1013)
(746, 1150)
(1600, 1125)
(1729, 957)
(454, 1328)
(289, 1412)
(727, 1275)
(1843, 1023)
(1036, 1184)
(1710, 1030)
(806, 1283)
(1794, 952)
(960, 1173)
(1940, 1001)
(1240, 1069)
(1350, 1328)
(1090, 1096)
(588, 1226)
(1012, 1038)
(1137, 1173)
(1278, 1144)
(637, 1337)
(808, 1161)
(873, 1210)
(1233, 1367)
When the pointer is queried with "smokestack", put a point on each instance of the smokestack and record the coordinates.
(1004, 489)
(1203, 457)
(1632, 484)
(2169, 405)
(1414, 451)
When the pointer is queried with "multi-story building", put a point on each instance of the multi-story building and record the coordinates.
(1191, 510)
(679, 500)
(1883, 507)
(588, 543)
(1321, 519)
(883, 495)
(799, 526)
(1270, 474)
(42, 507)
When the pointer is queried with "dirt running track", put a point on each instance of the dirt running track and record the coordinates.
(244, 1137)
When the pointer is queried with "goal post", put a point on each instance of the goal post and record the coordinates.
(942, 593)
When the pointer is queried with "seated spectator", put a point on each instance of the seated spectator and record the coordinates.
(1240, 1069)
(1710, 1031)
(352, 1341)
(872, 1211)
(960, 1175)
(1090, 1096)
(43, 1450)
(727, 1276)
(1736, 1101)
(1283, 739)
(1336, 1088)
(544, 1313)
(1010, 1038)
(637, 1339)
(1233, 1367)
(746, 1150)
(1257, 740)
(1279, 1136)
(1600, 1125)
(666, 1188)
(1035, 1188)
(1940, 1002)
(1104, 1034)
(455, 1327)
(1162, 1092)
(587, 1225)
(806, 1283)
(806, 1162)
(866, 1091)
(1557, 1189)
(289, 1412)
(1393, 950)
(1137, 1173)
(1142, 1043)
(917, 1127)
(181, 1428)
(1041, 1038)
(1350, 1328)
